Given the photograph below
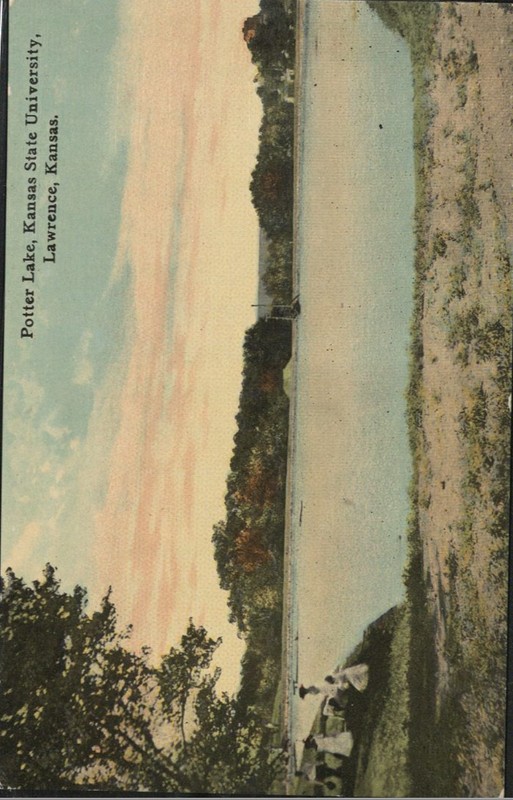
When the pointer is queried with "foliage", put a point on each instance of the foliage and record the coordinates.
(386, 738)
(229, 753)
(248, 543)
(455, 722)
(72, 696)
(79, 709)
(272, 185)
(414, 21)
(182, 671)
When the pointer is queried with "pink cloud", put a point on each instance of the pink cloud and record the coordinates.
(190, 130)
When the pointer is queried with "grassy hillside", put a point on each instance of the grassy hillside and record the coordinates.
(459, 424)
(378, 734)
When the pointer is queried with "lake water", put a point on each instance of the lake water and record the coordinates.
(351, 465)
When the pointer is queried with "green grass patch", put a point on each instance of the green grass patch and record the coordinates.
(388, 739)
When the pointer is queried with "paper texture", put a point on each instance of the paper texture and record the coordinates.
(256, 397)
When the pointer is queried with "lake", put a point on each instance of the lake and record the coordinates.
(350, 463)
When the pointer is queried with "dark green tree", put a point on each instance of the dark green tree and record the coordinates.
(74, 701)
(79, 709)
(229, 752)
(183, 672)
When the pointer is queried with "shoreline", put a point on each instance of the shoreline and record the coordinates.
(289, 560)
(347, 325)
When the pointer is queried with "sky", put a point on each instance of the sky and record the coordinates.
(119, 413)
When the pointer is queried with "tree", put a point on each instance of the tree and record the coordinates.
(273, 46)
(230, 753)
(226, 750)
(183, 671)
(224, 554)
(79, 709)
(272, 191)
(74, 701)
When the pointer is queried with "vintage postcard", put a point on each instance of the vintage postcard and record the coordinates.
(256, 397)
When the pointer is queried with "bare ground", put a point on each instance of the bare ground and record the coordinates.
(466, 225)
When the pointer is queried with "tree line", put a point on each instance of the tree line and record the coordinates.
(273, 49)
(248, 543)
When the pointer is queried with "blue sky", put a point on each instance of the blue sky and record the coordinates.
(118, 418)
